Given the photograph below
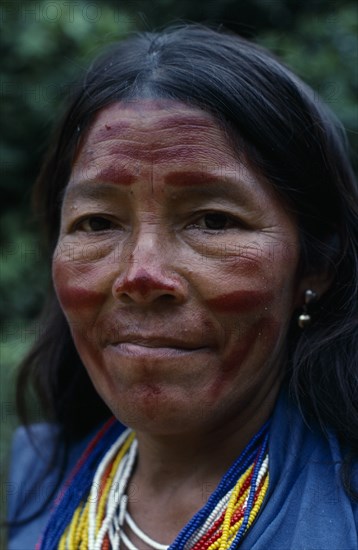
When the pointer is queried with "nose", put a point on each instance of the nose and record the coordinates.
(148, 277)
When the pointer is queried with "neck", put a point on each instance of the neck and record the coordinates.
(174, 458)
(163, 496)
(176, 474)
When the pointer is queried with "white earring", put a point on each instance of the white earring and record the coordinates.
(305, 318)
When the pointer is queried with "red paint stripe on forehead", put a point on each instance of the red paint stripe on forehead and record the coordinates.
(189, 178)
(115, 174)
(240, 301)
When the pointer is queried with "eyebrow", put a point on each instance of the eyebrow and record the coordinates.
(113, 174)
(211, 185)
(108, 178)
(190, 183)
(89, 189)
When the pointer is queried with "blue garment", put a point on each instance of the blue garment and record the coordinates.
(306, 507)
(28, 487)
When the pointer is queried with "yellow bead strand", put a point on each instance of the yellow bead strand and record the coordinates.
(73, 528)
(258, 502)
(76, 534)
(227, 537)
(63, 539)
(231, 508)
(83, 529)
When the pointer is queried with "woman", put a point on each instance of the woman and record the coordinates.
(201, 215)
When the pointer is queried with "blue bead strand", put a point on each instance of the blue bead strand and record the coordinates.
(260, 459)
(228, 481)
(80, 486)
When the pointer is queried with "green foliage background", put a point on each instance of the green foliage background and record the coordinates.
(44, 46)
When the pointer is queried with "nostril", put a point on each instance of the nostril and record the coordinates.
(125, 298)
(144, 284)
(144, 287)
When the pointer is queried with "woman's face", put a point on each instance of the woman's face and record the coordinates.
(176, 268)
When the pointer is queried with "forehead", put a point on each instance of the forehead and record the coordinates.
(147, 148)
(157, 140)
(148, 138)
(156, 130)
(149, 114)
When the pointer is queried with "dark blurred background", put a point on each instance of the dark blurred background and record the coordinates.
(45, 44)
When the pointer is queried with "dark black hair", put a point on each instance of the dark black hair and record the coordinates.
(291, 139)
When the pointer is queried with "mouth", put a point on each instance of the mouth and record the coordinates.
(139, 350)
(155, 347)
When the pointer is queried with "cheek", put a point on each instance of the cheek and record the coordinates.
(81, 307)
(240, 301)
(257, 345)
(262, 336)
(76, 288)
(92, 360)
(76, 299)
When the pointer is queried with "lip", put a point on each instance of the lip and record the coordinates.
(134, 345)
(155, 341)
(149, 350)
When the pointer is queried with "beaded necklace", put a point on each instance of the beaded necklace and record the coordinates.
(91, 511)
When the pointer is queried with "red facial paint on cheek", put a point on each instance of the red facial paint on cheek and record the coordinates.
(74, 286)
(76, 298)
(240, 301)
(240, 352)
(264, 332)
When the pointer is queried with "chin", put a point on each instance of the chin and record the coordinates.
(152, 408)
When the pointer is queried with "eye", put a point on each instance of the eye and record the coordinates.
(216, 220)
(94, 223)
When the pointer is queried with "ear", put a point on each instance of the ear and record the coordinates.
(320, 282)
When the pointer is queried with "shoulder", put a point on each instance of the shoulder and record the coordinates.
(307, 505)
(301, 448)
(31, 452)
(38, 468)
(35, 442)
